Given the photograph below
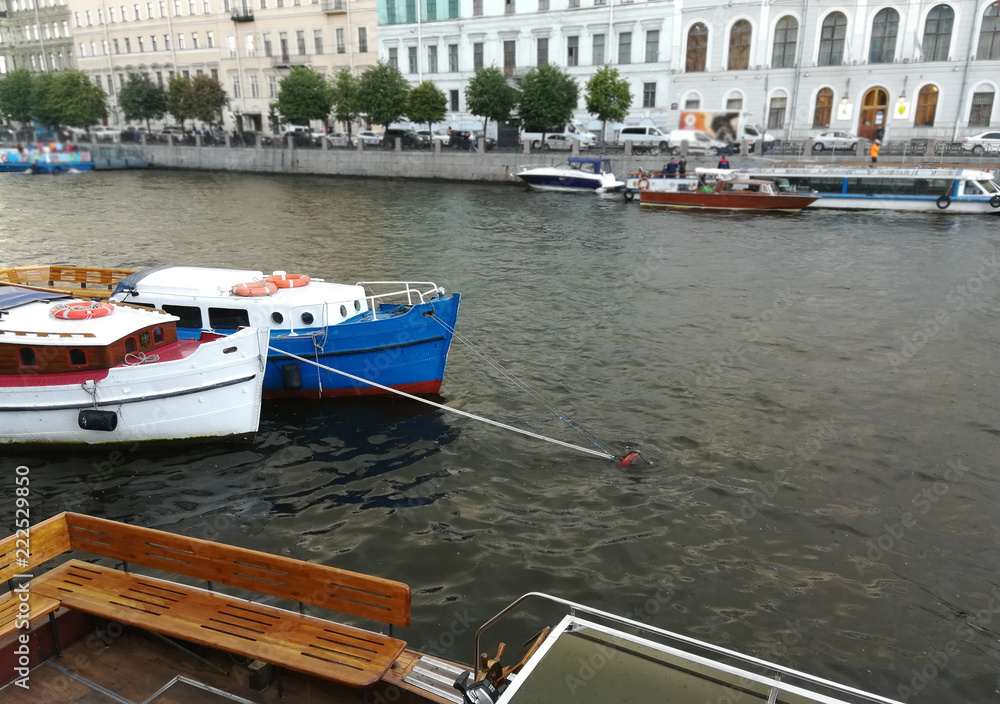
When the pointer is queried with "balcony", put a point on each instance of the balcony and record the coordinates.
(289, 61)
(242, 14)
(333, 7)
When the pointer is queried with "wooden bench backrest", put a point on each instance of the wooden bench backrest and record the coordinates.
(330, 588)
(47, 540)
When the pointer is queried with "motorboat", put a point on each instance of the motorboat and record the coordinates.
(579, 174)
(729, 194)
(83, 371)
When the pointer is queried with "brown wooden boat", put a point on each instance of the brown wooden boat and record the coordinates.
(734, 194)
(80, 281)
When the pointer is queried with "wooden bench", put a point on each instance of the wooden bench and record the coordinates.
(315, 646)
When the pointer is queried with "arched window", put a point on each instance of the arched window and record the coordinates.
(982, 108)
(697, 48)
(739, 46)
(824, 108)
(786, 34)
(989, 34)
(926, 106)
(885, 27)
(831, 40)
(734, 101)
(937, 33)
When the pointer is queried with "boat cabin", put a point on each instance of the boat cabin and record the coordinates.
(590, 164)
(745, 186)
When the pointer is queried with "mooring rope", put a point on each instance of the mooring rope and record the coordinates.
(598, 453)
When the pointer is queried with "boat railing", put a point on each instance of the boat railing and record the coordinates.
(780, 678)
(412, 292)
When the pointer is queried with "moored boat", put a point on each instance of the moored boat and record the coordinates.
(43, 161)
(75, 371)
(580, 174)
(731, 194)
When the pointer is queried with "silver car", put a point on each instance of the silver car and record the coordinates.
(834, 140)
(982, 142)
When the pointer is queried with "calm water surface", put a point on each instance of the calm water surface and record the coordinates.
(819, 396)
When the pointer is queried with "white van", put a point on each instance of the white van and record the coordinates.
(645, 136)
(697, 143)
(587, 140)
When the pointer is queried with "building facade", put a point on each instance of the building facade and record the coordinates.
(797, 67)
(35, 34)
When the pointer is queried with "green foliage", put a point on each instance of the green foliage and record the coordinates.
(15, 96)
(383, 94)
(304, 95)
(346, 90)
(426, 103)
(489, 96)
(180, 99)
(608, 96)
(208, 98)
(548, 97)
(142, 99)
(41, 88)
(73, 100)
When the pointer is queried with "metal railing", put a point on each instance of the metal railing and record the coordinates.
(412, 291)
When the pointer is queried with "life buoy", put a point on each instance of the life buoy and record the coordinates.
(3, 157)
(995, 201)
(943, 202)
(288, 280)
(254, 288)
(643, 183)
(81, 310)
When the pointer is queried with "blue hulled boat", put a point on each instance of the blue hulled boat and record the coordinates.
(43, 162)
(580, 174)
(394, 333)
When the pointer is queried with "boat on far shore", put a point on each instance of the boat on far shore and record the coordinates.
(43, 161)
(579, 174)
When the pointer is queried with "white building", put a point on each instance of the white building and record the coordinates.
(916, 69)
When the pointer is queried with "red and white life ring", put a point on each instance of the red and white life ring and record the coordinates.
(288, 280)
(81, 310)
(254, 288)
(643, 183)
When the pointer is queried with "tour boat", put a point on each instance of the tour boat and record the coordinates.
(731, 194)
(76, 371)
(394, 333)
(581, 174)
(43, 161)
(100, 610)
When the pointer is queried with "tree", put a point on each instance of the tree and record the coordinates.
(383, 94)
(346, 89)
(208, 98)
(548, 97)
(426, 103)
(180, 99)
(608, 97)
(141, 99)
(41, 87)
(304, 95)
(74, 101)
(489, 96)
(15, 96)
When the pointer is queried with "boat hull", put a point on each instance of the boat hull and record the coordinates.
(695, 200)
(913, 204)
(564, 184)
(209, 393)
(406, 350)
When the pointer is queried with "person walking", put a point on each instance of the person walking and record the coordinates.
(873, 151)
(682, 168)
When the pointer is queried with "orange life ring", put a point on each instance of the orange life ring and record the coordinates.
(254, 288)
(3, 157)
(643, 183)
(288, 280)
(81, 310)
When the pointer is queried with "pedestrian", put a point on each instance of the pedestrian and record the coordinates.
(873, 151)
(723, 162)
(879, 135)
(472, 141)
(670, 170)
(682, 168)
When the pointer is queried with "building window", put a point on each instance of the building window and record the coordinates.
(598, 50)
(453, 58)
(543, 5)
(543, 51)
(453, 9)
(477, 8)
(885, 27)
(128, 45)
(272, 86)
(432, 11)
(410, 10)
(432, 59)
(318, 41)
(509, 56)
(937, 33)
(989, 36)
(210, 38)
(89, 23)
(739, 46)
(697, 48)
(249, 44)
(649, 95)
(926, 106)
(508, 7)
(734, 102)
(454, 99)
(104, 46)
(824, 108)
(180, 41)
(93, 49)
(786, 35)
(100, 17)
(138, 41)
(236, 87)
(362, 40)
(341, 46)
(152, 44)
(652, 46)
(982, 109)
(254, 89)
(163, 8)
(624, 47)
(194, 40)
(831, 40)
(393, 57)
(477, 55)
(166, 43)
(776, 115)
(572, 51)
(300, 41)
(411, 55)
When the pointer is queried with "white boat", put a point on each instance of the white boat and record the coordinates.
(76, 371)
(580, 174)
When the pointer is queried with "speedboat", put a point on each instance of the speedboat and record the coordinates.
(326, 339)
(580, 174)
(732, 194)
(82, 371)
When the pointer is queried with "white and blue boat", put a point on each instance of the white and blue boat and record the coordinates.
(580, 174)
(43, 162)
(394, 333)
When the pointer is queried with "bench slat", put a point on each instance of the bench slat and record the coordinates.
(303, 643)
(48, 540)
(9, 604)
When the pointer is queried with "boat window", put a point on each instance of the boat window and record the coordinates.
(158, 335)
(587, 168)
(131, 345)
(228, 318)
(343, 311)
(190, 317)
(277, 318)
(77, 358)
(971, 188)
(820, 185)
(307, 318)
(989, 186)
(27, 358)
(357, 305)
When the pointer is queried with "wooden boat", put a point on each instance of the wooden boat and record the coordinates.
(75, 371)
(125, 613)
(731, 194)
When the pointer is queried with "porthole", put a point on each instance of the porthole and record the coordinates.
(307, 318)
(343, 311)
(357, 305)
(277, 318)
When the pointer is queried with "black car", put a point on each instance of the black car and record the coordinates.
(409, 138)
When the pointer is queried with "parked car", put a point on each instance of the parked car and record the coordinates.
(697, 143)
(490, 142)
(834, 140)
(173, 133)
(301, 135)
(563, 142)
(370, 138)
(982, 142)
(102, 133)
(644, 136)
(340, 139)
(438, 135)
(410, 138)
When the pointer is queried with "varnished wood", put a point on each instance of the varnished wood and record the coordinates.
(9, 608)
(86, 282)
(48, 540)
(302, 643)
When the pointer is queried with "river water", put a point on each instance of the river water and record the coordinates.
(819, 396)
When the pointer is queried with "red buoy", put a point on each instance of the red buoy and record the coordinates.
(628, 459)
